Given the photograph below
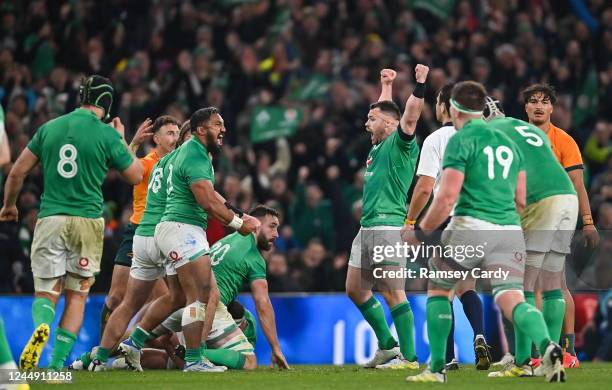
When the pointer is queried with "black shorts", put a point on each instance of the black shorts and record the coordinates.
(124, 253)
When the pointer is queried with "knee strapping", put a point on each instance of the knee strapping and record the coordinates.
(78, 284)
(501, 291)
(193, 312)
(174, 322)
(51, 286)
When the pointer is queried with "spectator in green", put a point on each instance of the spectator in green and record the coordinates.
(598, 147)
(311, 214)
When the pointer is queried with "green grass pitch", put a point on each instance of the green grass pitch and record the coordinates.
(588, 376)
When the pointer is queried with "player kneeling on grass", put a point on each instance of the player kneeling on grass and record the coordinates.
(484, 169)
(236, 260)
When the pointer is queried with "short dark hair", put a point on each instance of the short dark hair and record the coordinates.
(201, 116)
(470, 94)
(545, 89)
(445, 94)
(261, 210)
(163, 121)
(388, 107)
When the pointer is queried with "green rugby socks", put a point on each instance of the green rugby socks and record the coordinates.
(439, 322)
(43, 311)
(404, 324)
(553, 309)
(373, 313)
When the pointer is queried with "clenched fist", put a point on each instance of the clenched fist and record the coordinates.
(420, 73)
(250, 225)
(387, 76)
(9, 213)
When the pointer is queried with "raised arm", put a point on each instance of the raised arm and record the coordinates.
(133, 173)
(386, 82)
(265, 312)
(414, 104)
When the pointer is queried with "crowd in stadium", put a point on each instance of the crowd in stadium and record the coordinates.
(322, 57)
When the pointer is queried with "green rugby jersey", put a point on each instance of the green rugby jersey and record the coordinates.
(545, 175)
(491, 162)
(156, 196)
(389, 171)
(236, 260)
(75, 151)
(191, 164)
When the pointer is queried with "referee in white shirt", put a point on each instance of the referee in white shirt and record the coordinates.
(430, 174)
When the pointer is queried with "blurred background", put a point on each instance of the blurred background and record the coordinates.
(293, 80)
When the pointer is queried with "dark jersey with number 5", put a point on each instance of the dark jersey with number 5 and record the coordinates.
(76, 151)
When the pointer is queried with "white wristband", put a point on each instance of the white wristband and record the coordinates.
(236, 222)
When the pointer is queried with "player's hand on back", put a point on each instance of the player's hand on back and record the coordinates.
(249, 225)
(278, 359)
(420, 73)
(387, 76)
(8, 214)
(117, 125)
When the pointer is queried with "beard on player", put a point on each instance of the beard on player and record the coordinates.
(214, 143)
(263, 242)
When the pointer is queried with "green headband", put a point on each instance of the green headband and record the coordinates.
(457, 106)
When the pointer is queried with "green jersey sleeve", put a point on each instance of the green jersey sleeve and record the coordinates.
(119, 156)
(197, 167)
(35, 144)
(257, 267)
(456, 155)
(403, 141)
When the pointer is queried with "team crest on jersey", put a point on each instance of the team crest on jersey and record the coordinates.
(369, 161)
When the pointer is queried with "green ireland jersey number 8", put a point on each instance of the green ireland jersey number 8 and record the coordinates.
(532, 138)
(67, 166)
(218, 252)
(504, 157)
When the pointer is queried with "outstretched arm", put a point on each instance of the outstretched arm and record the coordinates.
(265, 312)
(414, 104)
(214, 204)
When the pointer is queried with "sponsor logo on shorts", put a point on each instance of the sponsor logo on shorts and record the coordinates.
(174, 256)
(518, 257)
(84, 263)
